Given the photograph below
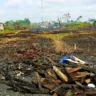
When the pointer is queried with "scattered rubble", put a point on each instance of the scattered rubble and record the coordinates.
(37, 77)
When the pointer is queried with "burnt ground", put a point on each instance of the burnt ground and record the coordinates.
(84, 45)
(25, 47)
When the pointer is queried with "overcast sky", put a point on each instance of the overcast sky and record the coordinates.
(52, 9)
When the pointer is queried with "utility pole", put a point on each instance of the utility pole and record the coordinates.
(42, 10)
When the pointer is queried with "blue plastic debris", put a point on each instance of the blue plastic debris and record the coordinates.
(64, 59)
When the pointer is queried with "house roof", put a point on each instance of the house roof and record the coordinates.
(2, 23)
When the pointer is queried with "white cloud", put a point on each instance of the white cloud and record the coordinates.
(52, 9)
(2, 12)
(86, 8)
(20, 3)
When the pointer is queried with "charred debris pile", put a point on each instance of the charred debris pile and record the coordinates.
(43, 75)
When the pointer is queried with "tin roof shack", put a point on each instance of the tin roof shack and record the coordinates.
(1, 26)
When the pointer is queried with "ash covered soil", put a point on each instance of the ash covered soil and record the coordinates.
(21, 53)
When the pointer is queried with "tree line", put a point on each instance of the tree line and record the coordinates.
(18, 24)
(63, 21)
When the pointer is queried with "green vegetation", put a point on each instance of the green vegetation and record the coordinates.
(14, 26)
(56, 36)
(8, 30)
(19, 24)
(62, 23)
(59, 36)
(75, 25)
(93, 22)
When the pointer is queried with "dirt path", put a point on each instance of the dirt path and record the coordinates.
(61, 46)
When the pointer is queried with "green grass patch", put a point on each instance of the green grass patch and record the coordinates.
(7, 31)
(57, 36)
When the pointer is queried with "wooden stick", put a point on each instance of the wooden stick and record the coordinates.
(71, 70)
(58, 71)
(60, 74)
(38, 78)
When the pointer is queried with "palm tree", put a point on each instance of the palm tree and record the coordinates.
(79, 18)
(94, 23)
(66, 17)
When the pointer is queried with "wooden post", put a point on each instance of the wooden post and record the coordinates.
(75, 46)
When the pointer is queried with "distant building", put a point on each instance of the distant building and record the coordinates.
(45, 24)
(1, 26)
